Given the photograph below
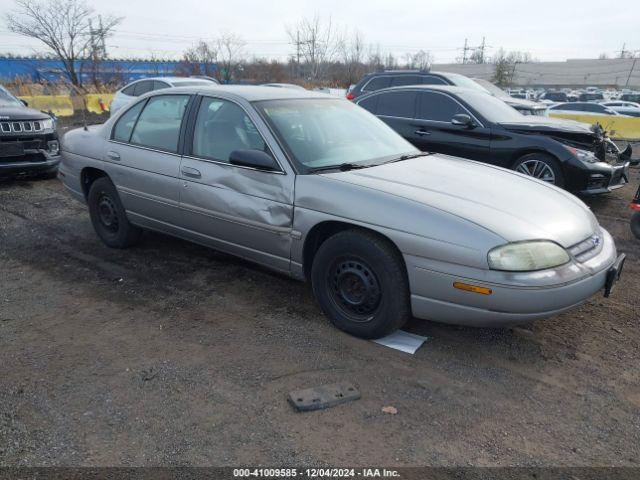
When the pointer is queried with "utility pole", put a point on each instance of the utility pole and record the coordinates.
(623, 52)
(464, 51)
(481, 58)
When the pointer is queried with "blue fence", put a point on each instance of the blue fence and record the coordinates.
(119, 71)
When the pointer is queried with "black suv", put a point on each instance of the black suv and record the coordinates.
(472, 124)
(28, 140)
(398, 78)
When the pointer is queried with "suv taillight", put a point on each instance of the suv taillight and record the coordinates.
(350, 96)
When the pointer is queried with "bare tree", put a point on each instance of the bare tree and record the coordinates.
(316, 45)
(64, 26)
(352, 52)
(230, 55)
(201, 59)
(421, 60)
(506, 64)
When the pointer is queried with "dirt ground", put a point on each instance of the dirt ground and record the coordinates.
(173, 354)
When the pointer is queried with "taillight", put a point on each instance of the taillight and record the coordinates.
(350, 96)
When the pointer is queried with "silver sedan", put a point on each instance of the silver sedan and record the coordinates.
(321, 190)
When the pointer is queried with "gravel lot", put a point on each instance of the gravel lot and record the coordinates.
(172, 354)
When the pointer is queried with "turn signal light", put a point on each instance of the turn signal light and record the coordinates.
(472, 288)
(634, 206)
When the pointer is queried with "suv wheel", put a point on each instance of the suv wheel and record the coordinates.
(108, 216)
(635, 224)
(360, 282)
(541, 166)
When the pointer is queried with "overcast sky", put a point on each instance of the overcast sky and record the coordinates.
(549, 30)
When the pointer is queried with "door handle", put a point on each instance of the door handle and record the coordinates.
(191, 172)
(113, 155)
(422, 133)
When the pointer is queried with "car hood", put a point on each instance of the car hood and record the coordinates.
(522, 103)
(21, 113)
(512, 206)
(548, 125)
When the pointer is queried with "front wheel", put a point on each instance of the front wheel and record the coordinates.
(360, 281)
(635, 224)
(541, 166)
(108, 216)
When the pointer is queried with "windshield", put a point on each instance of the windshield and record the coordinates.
(7, 99)
(491, 88)
(491, 108)
(462, 81)
(320, 133)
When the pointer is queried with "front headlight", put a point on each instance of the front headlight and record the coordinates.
(48, 124)
(527, 256)
(584, 155)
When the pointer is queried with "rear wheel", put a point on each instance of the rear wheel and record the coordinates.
(360, 282)
(541, 166)
(108, 216)
(635, 224)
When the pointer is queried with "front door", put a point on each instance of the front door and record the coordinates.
(432, 130)
(244, 211)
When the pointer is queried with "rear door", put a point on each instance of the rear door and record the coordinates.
(241, 210)
(433, 131)
(142, 157)
(397, 109)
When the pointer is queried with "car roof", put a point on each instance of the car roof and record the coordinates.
(442, 88)
(170, 79)
(251, 93)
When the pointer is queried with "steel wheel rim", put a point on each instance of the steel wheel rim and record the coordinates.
(537, 169)
(107, 213)
(354, 289)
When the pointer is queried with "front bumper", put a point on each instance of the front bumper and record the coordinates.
(22, 168)
(606, 178)
(33, 157)
(515, 297)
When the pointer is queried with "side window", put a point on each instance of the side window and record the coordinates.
(397, 104)
(431, 80)
(158, 85)
(401, 80)
(438, 107)
(222, 127)
(376, 83)
(129, 90)
(159, 123)
(370, 104)
(124, 126)
(142, 87)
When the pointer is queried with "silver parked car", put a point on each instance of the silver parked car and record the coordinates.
(133, 90)
(320, 189)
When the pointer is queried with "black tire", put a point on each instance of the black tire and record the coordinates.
(108, 216)
(635, 224)
(527, 165)
(360, 281)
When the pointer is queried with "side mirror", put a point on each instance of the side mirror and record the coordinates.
(254, 159)
(24, 102)
(463, 120)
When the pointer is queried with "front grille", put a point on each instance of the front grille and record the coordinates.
(587, 248)
(21, 126)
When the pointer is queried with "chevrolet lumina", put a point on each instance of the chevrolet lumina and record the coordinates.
(320, 189)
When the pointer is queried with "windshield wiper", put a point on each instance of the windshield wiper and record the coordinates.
(343, 167)
(409, 157)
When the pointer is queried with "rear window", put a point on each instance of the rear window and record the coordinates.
(402, 80)
(397, 104)
(376, 83)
